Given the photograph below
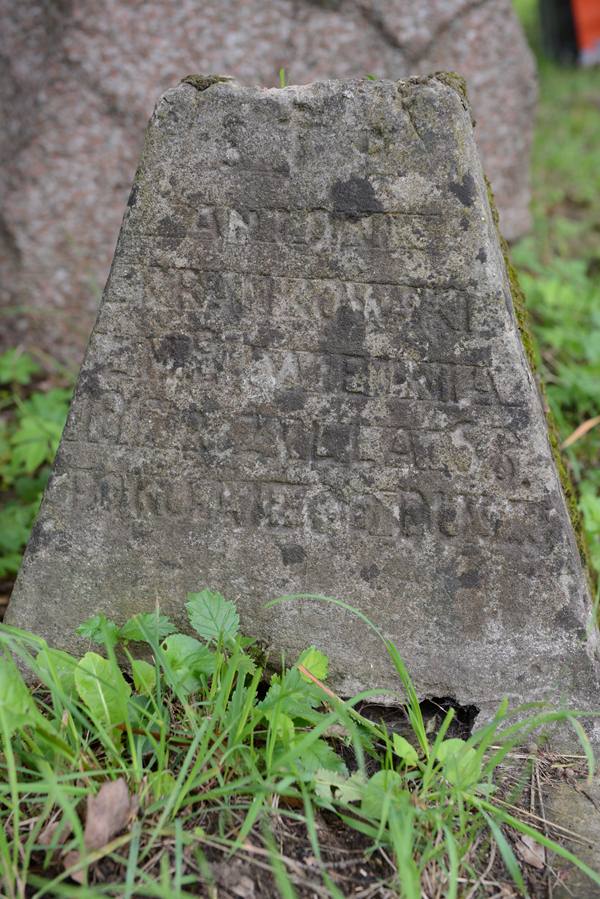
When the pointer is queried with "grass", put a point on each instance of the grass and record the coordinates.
(198, 763)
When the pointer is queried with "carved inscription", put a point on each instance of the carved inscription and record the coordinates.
(302, 508)
(315, 228)
(390, 382)
(155, 423)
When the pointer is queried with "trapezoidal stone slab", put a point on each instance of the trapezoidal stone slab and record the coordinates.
(306, 376)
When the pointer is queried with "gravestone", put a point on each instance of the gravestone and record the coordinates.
(306, 376)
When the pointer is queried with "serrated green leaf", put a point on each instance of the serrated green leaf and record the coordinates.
(282, 724)
(326, 783)
(144, 676)
(293, 696)
(353, 788)
(314, 661)
(102, 688)
(212, 616)
(99, 629)
(50, 406)
(460, 763)
(189, 662)
(17, 707)
(405, 751)
(29, 452)
(381, 788)
(317, 755)
(17, 367)
(331, 786)
(145, 626)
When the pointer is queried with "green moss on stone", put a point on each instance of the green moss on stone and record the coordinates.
(455, 81)
(528, 341)
(201, 82)
(458, 84)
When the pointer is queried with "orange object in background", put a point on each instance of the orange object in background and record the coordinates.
(586, 15)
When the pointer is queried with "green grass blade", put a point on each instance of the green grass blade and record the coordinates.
(508, 856)
(132, 860)
(452, 848)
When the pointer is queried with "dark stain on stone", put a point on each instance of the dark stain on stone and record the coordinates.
(89, 382)
(354, 198)
(290, 400)
(42, 539)
(470, 578)
(336, 442)
(566, 619)
(174, 350)
(265, 335)
(346, 332)
(369, 572)
(519, 418)
(465, 190)
(193, 417)
(482, 255)
(133, 196)
(327, 4)
(167, 227)
(293, 554)
(481, 354)
(464, 223)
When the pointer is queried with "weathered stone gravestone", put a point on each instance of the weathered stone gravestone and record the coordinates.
(306, 375)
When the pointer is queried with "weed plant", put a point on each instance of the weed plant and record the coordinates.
(122, 781)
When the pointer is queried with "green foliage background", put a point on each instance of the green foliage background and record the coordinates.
(559, 262)
(32, 416)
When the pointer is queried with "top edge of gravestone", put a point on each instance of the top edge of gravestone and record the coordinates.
(203, 83)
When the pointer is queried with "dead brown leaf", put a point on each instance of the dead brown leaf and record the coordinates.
(71, 858)
(231, 878)
(531, 852)
(47, 835)
(107, 813)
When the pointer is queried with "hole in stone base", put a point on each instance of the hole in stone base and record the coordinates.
(464, 715)
(433, 709)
